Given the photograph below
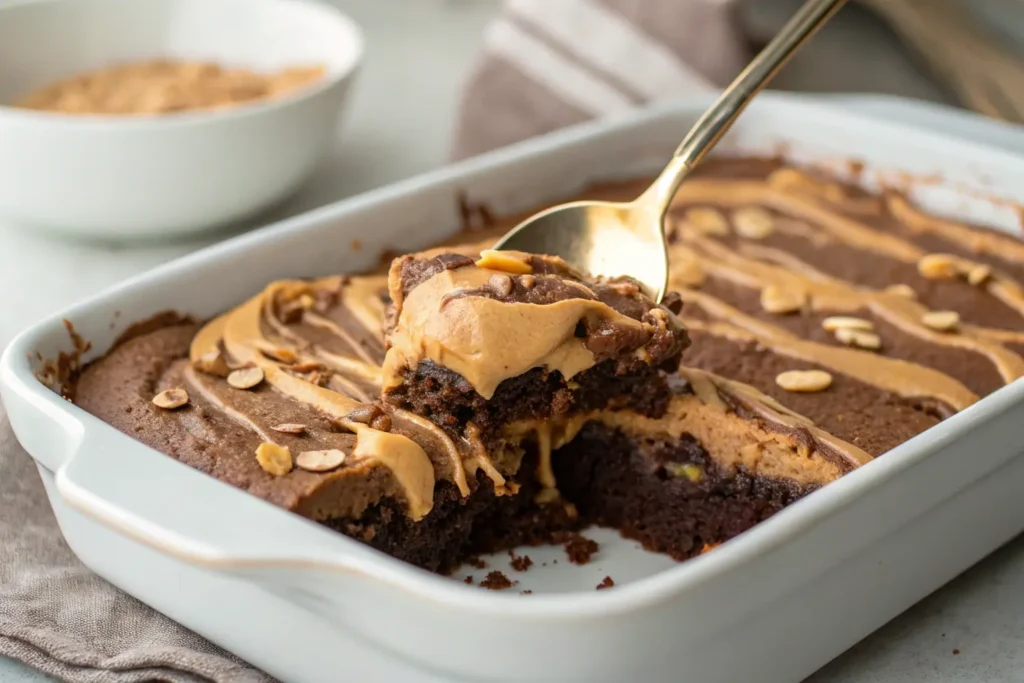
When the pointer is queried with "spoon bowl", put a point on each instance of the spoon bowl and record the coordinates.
(612, 238)
(604, 238)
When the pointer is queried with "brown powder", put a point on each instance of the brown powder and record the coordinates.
(165, 86)
(605, 583)
(497, 581)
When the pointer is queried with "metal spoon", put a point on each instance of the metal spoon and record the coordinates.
(615, 238)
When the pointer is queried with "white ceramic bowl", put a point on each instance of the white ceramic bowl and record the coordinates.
(142, 177)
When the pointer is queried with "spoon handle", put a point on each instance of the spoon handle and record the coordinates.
(734, 99)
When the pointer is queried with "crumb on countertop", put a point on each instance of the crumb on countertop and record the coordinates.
(605, 583)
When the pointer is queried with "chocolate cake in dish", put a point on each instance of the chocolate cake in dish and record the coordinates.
(469, 401)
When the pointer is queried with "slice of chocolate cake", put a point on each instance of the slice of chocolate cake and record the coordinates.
(522, 337)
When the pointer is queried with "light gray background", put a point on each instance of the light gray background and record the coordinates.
(418, 52)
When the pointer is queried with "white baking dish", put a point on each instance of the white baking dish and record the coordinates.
(307, 604)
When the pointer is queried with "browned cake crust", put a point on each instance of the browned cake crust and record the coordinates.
(826, 327)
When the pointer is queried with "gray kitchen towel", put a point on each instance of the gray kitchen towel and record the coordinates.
(546, 64)
(62, 619)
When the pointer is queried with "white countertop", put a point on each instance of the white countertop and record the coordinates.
(418, 52)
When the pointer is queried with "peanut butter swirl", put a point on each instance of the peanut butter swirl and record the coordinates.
(322, 346)
(487, 324)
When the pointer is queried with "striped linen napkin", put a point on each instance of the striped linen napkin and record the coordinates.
(552, 63)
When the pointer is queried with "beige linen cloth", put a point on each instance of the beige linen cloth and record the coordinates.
(545, 64)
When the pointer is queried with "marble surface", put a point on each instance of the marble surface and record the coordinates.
(418, 52)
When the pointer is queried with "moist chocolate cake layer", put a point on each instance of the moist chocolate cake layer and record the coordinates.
(827, 326)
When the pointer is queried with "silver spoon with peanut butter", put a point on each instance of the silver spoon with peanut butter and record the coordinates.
(616, 238)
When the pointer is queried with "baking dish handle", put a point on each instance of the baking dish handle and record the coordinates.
(217, 527)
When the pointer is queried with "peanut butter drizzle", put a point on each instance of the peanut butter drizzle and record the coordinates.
(794, 181)
(762, 253)
(545, 472)
(454, 456)
(731, 441)
(975, 241)
(407, 461)
(775, 413)
(551, 435)
(899, 377)
(196, 385)
(368, 372)
(459, 333)
(372, 366)
(208, 338)
(241, 334)
(829, 294)
(363, 368)
(858, 235)
(734, 193)
(480, 459)
(343, 385)
(361, 296)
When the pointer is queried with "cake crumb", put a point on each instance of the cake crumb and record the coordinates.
(520, 562)
(497, 581)
(579, 548)
(476, 563)
(709, 546)
(955, 651)
(526, 592)
(605, 583)
(469, 579)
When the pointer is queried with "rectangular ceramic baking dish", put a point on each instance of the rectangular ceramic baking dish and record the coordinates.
(307, 604)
